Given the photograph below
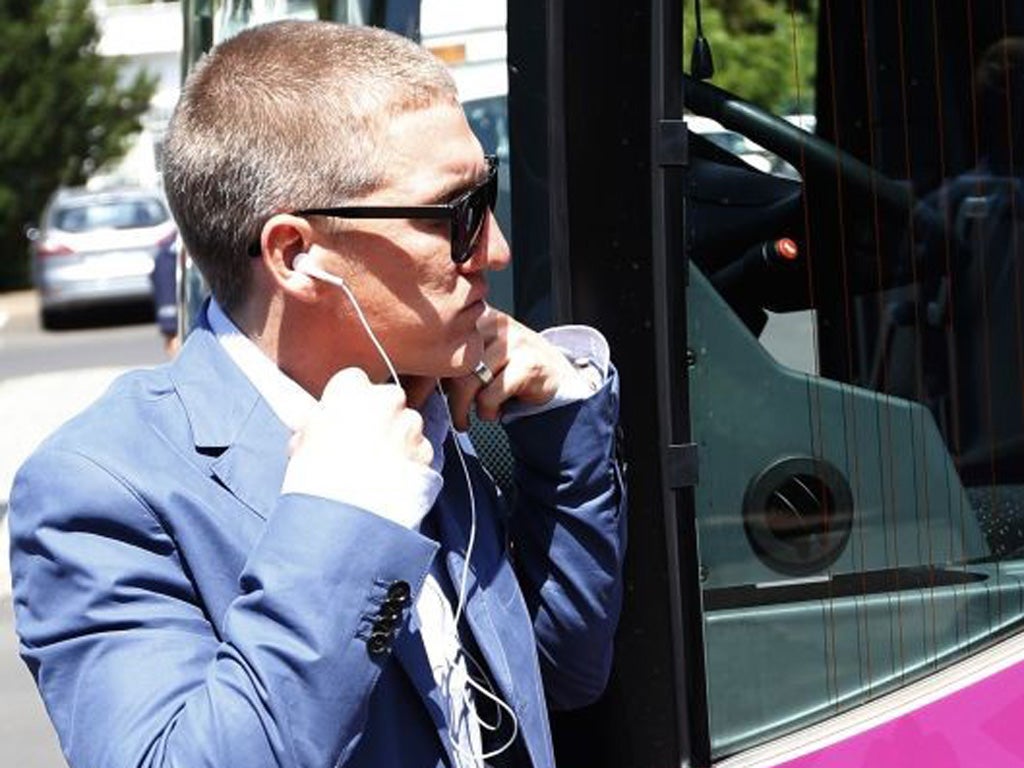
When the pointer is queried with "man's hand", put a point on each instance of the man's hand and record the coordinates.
(356, 419)
(363, 446)
(525, 367)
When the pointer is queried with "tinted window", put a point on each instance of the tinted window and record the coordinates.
(862, 527)
(110, 214)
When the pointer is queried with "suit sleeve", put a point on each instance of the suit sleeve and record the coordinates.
(568, 534)
(133, 671)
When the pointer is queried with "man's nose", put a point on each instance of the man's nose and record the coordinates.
(491, 252)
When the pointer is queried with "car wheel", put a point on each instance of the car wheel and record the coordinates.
(52, 319)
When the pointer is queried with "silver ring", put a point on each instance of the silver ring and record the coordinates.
(482, 372)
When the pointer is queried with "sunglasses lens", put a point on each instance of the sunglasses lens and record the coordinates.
(471, 214)
(492, 187)
(467, 225)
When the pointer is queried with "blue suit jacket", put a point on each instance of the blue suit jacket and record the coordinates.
(175, 609)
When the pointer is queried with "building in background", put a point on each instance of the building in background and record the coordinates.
(147, 36)
(469, 35)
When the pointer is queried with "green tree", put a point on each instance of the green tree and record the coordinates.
(63, 113)
(764, 50)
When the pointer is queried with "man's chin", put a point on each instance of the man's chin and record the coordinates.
(459, 362)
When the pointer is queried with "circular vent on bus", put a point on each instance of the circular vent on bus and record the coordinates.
(798, 514)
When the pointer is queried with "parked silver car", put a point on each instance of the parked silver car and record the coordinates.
(97, 248)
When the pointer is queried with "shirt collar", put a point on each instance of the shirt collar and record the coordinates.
(289, 401)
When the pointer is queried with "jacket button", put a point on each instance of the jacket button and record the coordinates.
(398, 593)
(378, 642)
(390, 613)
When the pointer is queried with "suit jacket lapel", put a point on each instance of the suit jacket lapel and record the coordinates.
(455, 521)
(230, 422)
(253, 467)
(411, 655)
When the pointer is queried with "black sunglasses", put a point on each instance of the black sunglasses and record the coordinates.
(466, 213)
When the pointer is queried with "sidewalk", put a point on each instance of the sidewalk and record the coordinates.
(17, 306)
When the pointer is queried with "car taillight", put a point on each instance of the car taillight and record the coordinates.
(53, 248)
(167, 239)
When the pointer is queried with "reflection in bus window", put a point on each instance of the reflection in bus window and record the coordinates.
(864, 529)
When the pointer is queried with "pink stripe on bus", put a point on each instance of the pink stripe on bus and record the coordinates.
(978, 726)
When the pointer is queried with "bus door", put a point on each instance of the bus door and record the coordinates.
(573, 135)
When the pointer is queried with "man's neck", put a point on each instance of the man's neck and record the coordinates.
(306, 359)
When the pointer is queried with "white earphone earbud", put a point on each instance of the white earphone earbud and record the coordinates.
(303, 263)
(300, 261)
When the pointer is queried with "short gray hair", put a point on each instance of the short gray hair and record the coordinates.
(285, 116)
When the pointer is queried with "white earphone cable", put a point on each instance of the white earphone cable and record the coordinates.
(303, 263)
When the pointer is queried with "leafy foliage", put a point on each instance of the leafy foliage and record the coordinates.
(63, 114)
(764, 50)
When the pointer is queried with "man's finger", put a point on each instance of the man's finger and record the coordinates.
(491, 399)
(461, 393)
(488, 324)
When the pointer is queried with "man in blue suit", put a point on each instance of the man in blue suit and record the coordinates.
(280, 550)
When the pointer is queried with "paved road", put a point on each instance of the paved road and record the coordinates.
(126, 338)
(45, 378)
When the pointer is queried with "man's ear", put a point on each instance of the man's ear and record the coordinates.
(283, 238)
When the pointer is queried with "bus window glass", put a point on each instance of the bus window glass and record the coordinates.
(861, 528)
